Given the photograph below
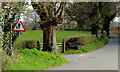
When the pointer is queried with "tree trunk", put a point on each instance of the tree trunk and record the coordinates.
(80, 24)
(93, 30)
(102, 31)
(107, 30)
(49, 39)
(106, 27)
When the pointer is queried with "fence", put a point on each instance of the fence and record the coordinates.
(58, 44)
(62, 45)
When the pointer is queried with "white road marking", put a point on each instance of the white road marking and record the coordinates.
(75, 60)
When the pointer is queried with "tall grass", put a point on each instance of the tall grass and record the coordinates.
(34, 60)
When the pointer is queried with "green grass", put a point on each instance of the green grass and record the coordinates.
(112, 33)
(89, 47)
(35, 60)
(38, 34)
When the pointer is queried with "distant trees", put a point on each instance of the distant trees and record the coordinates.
(96, 15)
(77, 12)
(108, 11)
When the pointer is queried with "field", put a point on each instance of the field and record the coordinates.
(38, 34)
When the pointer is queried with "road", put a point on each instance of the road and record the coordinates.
(105, 58)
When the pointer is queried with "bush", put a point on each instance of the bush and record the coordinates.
(89, 47)
(77, 42)
(5, 58)
(29, 44)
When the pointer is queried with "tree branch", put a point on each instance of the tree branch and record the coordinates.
(61, 15)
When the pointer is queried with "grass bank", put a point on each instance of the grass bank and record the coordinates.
(89, 47)
(34, 60)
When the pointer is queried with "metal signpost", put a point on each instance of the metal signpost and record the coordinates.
(18, 27)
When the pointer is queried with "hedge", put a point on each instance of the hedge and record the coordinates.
(28, 44)
(77, 42)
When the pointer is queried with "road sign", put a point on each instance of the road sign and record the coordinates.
(19, 27)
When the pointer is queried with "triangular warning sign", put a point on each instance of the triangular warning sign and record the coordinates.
(19, 27)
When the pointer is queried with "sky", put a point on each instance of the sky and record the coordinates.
(117, 19)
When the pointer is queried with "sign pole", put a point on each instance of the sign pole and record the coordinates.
(11, 40)
(19, 33)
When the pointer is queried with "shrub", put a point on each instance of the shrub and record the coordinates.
(28, 44)
(89, 47)
(77, 42)
(5, 58)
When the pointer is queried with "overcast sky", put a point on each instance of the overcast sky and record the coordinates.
(117, 19)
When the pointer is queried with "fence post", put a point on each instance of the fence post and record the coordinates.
(64, 41)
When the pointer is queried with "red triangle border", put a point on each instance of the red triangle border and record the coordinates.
(19, 30)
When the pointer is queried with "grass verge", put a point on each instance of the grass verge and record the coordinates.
(38, 34)
(89, 47)
(114, 32)
(34, 60)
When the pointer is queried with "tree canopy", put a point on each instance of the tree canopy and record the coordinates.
(92, 14)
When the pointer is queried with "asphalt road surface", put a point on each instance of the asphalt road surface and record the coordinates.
(105, 58)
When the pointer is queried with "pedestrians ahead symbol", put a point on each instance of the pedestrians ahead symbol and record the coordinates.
(19, 27)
